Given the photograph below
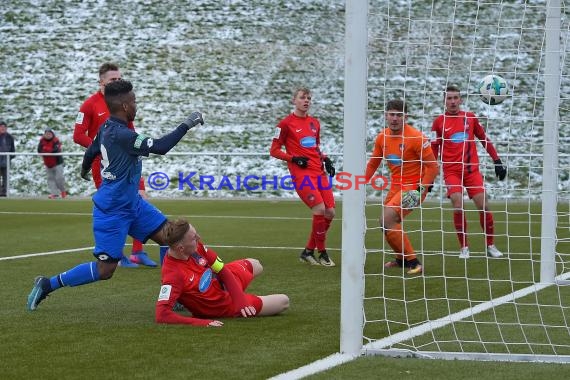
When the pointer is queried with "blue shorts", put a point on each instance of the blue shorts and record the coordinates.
(111, 229)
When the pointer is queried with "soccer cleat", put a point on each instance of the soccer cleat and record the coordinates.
(142, 259)
(39, 292)
(464, 253)
(126, 263)
(418, 269)
(393, 264)
(308, 257)
(325, 260)
(492, 251)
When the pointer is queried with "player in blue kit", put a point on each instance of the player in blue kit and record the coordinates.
(118, 209)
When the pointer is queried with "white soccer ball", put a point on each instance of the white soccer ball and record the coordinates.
(493, 89)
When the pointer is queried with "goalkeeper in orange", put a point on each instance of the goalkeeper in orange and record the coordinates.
(413, 168)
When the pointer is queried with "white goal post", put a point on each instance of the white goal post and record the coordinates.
(514, 308)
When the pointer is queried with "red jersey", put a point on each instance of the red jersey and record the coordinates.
(301, 137)
(193, 283)
(92, 114)
(408, 156)
(455, 141)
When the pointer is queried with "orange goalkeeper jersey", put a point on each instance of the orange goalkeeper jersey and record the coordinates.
(408, 156)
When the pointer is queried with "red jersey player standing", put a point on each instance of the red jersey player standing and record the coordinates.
(300, 134)
(92, 114)
(455, 133)
(413, 168)
(197, 278)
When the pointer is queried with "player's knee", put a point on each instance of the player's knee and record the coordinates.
(256, 265)
(330, 213)
(106, 269)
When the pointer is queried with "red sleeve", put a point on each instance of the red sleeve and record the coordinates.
(436, 142)
(277, 144)
(82, 124)
(141, 184)
(487, 144)
(170, 291)
(164, 314)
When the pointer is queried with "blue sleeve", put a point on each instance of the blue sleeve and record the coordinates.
(141, 145)
(93, 151)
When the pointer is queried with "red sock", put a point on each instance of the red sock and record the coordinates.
(319, 231)
(328, 223)
(311, 244)
(137, 246)
(460, 222)
(488, 225)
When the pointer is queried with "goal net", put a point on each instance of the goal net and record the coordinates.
(516, 307)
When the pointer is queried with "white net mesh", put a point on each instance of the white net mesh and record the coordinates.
(480, 306)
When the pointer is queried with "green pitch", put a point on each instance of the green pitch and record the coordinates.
(106, 330)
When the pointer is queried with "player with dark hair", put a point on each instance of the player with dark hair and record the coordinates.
(300, 134)
(455, 141)
(198, 279)
(413, 168)
(118, 208)
(92, 114)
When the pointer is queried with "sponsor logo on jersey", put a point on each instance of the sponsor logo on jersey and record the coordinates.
(459, 137)
(309, 142)
(101, 114)
(164, 294)
(109, 176)
(205, 281)
(394, 159)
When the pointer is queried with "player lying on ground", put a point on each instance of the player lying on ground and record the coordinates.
(197, 278)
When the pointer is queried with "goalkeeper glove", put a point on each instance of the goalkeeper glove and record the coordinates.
(329, 167)
(193, 120)
(85, 173)
(301, 162)
(412, 198)
(500, 170)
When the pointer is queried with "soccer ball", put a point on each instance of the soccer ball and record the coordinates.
(493, 89)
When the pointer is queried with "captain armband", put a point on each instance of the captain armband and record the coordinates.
(217, 265)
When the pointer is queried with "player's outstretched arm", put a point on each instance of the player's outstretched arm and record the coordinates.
(164, 314)
(164, 144)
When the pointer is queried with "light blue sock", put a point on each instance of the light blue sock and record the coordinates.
(163, 250)
(80, 275)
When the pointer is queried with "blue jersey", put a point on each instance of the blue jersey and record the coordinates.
(121, 149)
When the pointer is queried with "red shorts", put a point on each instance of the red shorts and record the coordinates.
(243, 271)
(456, 181)
(314, 189)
